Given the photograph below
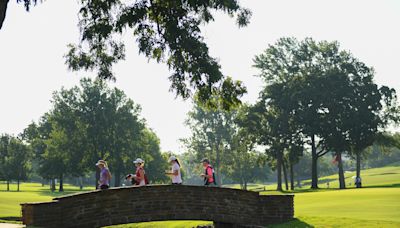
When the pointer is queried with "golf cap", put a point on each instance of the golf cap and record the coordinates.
(101, 162)
(138, 160)
(172, 158)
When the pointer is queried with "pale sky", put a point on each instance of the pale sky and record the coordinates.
(32, 46)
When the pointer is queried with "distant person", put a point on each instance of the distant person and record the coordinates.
(175, 172)
(208, 175)
(105, 175)
(327, 184)
(358, 182)
(139, 178)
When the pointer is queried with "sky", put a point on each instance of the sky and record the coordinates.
(32, 46)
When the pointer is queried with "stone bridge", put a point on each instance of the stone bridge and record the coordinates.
(226, 207)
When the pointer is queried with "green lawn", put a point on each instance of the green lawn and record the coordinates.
(29, 192)
(377, 205)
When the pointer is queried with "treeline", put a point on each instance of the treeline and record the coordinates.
(86, 123)
(316, 100)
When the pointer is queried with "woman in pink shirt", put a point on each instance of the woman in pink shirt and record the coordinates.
(208, 175)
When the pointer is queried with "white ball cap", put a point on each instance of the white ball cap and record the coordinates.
(172, 158)
(138, 160)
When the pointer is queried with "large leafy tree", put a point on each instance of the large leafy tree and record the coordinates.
(91, 122)
(167, 31)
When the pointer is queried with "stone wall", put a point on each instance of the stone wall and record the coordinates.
(158, 203)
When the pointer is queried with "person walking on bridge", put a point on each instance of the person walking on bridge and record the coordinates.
(139, 178)
(175, 172)
(105, 175)
(208, 175)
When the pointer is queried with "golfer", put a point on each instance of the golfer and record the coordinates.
(105, 175)
(208, 175)
(139, 178)
(175, 172)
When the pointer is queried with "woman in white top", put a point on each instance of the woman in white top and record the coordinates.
(175, 172)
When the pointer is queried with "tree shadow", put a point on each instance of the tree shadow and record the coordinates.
(384, 186)
(294, 223)
(58, 194)
(380, 174)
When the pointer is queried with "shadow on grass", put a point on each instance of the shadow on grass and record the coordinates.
(380, 174)
(13, 220)
(58, 194)
(294, 223)
(383, 186)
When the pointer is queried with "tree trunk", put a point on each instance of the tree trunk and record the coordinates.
(53, 184)
(314, 165)
(218, 175)
(358, 172)
(97, 178)
(8, 185)
(117, 179)
(61, 188)
(80, 183)
(18, 185)
(285, 175)
(342, 183)
(291, 176)
(279, 170)
(3, 10)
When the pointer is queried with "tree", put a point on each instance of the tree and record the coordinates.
(14, 161)
(36, 136)
(246, 165)
(210, 129)
(156, 163)
(91, 122)
(376, 109)
(167, 31)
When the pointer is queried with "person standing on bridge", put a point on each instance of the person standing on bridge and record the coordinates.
(208, 175)
(175, 172)
(105, 175)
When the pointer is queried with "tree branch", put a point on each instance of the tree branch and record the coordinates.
(322, 153)
(3, 9)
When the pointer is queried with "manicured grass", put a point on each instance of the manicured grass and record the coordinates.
(366, 204)
(29, 192)
(166, 224)
(335, 222)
